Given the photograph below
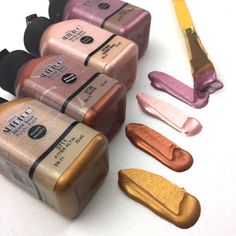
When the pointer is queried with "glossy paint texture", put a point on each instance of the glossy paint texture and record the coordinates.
(205, 80)
(90, 45)
(176, 88)
(76, 90)
(203, 70)
(116, 16)
(169, 114)
(164, 198)
(58, 160)
(159, 147)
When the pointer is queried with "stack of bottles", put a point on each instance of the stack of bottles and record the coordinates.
(82, 70)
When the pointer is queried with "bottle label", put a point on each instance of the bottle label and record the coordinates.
(85, 39)
(37, 146)
(121, 18)
(83, 99)
(103, 43)
(77, 33)
(109, 14)
(107, 52)
(66, 85)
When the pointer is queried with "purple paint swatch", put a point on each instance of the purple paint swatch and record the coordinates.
(176, 88)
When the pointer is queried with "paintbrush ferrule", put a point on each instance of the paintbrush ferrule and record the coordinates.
(199, 58)
(204, 74)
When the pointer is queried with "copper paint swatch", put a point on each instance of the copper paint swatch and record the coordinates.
(161, 196)
(158, 146)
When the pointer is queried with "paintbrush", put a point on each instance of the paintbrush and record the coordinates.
(204, 74)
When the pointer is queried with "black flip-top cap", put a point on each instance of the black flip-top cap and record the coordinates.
(2, 100)
(33, 33)
(56, 9)
(10, 63)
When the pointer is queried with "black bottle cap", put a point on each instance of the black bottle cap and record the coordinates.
(33, 33)
(2, 100)
(56, 9)
(3, 53)
(10, 63)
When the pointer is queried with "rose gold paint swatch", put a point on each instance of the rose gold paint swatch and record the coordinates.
(169, 114)
(158, 146)
(161, 196)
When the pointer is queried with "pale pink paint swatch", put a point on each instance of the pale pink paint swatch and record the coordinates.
(169, 114)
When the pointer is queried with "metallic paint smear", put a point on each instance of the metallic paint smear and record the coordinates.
(161, 196)
(176, 88)
(169, 114)
(204, 74)
(203, 71)
(159, 147)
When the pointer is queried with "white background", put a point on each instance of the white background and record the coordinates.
(212, 176)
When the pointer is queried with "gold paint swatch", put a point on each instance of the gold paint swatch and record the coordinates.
(161, 196)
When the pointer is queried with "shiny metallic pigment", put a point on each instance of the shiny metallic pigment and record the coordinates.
(169, 114)
(205, 80)
(159, 147)
(161, 196)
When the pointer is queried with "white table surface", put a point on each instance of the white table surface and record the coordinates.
(212, 176)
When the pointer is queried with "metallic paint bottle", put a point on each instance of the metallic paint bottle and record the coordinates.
(68, 86)
(50, 155)
(94, 47)
(116, 16)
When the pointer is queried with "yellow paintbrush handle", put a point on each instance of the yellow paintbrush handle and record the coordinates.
(183, 15)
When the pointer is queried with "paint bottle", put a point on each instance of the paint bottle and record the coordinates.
(116, 16)
(94, 47)
(50, 155)
(68, 86)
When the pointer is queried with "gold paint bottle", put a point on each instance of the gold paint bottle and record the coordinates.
(58, 160)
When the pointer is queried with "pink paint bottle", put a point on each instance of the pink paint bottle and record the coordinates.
(116, 16)
(90, 45)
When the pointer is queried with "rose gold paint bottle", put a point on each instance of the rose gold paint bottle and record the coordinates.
(53, 157)
(116, 16)
(94, 47)
(68, 86)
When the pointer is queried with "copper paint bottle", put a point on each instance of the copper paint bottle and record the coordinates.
(94, 47)
(68, 86)
(50, 155)
(116, 16)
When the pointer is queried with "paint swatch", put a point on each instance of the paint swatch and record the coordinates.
(176, 88)
(161, 196)
(203, 71)
(169, 114)
(159, 147)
